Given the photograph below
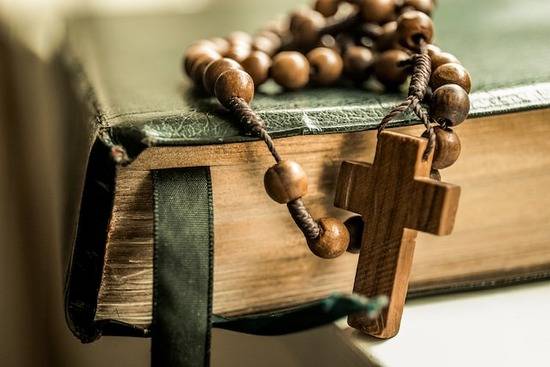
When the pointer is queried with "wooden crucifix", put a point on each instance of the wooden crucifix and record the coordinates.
(396, 198)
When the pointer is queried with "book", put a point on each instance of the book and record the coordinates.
(126, 77)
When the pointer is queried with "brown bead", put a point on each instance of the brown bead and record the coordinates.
(221, 45)
(267, 42)
(333, 240)
(197, 71)
(326, 65)
(377, 11)
(447, 148)
(358, 62)
(239, 51)
(215, 69)
(355, 226)
(234, 83)
(290, 69)
(412, 27)
(387, 69)
(305, 25)
(441, 58)
(388, 37)
(257, 65)
(451, 74)
(327, 7)
(195, 52)
(239, 37)
(425, 6)
(285, 181)
(450, 105)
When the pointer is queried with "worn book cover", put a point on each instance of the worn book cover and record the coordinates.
(132, 105)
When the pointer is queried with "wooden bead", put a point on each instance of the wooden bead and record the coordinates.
(239, 51)
(358, 62)
(326, 65)
(387, 69)
(441, 58)
(388, 37)
(257, 65)
(234, 83)
(451, 73)
(425, 6)
(327, 7)
(450, 105)
(333, 240)
(221, 45)
(412, 27)
(215, 69)
(195, 52)
(305, 25)
(290, 69)
(197, 71)
(285, 181)
(267, 42)
(356, 227)
(447, 148)
(239, 37)
(377, 11)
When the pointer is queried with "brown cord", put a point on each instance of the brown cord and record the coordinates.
(254, 123)
(422, 70)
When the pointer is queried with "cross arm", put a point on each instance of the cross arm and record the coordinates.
(433, 206)
(351, 187)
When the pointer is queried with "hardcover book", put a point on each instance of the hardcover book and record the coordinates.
(133, 106)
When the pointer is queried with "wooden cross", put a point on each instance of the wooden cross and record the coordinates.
(396, 198)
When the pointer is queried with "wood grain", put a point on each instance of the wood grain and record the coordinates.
(396, 198)
(501, 227)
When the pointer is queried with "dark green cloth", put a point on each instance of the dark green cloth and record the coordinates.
(182, 294)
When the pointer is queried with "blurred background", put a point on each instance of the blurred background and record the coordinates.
(33, 202)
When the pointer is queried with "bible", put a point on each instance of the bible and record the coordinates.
(138, 114)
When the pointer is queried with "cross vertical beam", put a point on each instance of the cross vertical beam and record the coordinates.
(396, 198)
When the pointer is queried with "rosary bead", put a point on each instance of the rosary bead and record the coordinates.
(377, 11)
(358, 62)
(239, 51)
(450, 105)
(239, 37)
(305, 25)
(234, 83)
(290, 70)
(215, 69)
(333, 240)
(447, 148)
(267, 42)
(326, 65)
(388, 37)
(221, 45)
(197, 71)
(425, 6)
(327, 7)
(355, 226)
(195, 52)
(441, 58)
(412, 27)
(451, 73)
(285, 181)
(387, 69)
(257, 65)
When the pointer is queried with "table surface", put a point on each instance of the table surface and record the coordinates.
(499, 327)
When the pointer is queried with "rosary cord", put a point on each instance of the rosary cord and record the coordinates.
(255, 124)
(418, 87)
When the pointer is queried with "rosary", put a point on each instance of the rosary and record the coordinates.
(401, 192)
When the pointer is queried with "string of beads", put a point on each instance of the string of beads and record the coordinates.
(388, 40)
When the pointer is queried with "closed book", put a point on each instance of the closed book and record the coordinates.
(138, 109)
